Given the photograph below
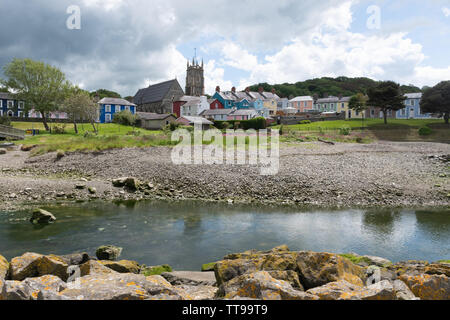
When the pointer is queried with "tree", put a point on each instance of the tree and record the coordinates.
(386, 96)
(358, 102)
(437, 100)
(38, 84)
(103, 93)
(78, 106)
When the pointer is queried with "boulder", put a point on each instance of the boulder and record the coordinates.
(45, 288)
(2, 151)
(129, 182)
(76, 258)
(32, 265)
(92, 190)
(111, 253)
(119, 286)
(377, 261)
(122, 266)
(41, 216)
(228, 269)
(402, 292)
(120, 182)
(16, 290)
(318, 269)
(343, 290)
(260, 285)
(201, 292)
(438, 268)
(410, 267)
(94, 267)
(288, 276)
(428, 287)
(191, 278)
(4, 267)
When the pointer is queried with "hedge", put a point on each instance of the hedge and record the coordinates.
(255, 123)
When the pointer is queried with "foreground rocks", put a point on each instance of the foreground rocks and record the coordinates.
(277, 274)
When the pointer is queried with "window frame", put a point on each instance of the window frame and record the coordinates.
(107, 108)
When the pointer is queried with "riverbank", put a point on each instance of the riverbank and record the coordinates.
(389, 174)
(277, 274)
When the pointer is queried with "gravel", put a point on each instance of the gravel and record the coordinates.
(389, 174)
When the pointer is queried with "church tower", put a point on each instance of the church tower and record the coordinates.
(195, 80)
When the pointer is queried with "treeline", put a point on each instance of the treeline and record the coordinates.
(325, 87)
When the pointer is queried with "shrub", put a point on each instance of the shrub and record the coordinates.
(125, 118)
(344, 131)
(425, 131)
(59, 128)
(5, 120)
(305, 122)
(158, 270)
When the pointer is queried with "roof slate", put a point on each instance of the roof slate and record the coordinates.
(154, 93)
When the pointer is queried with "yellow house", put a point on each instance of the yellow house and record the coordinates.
(271, 104)
(342, 106)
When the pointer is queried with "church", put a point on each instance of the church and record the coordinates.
(161, 97)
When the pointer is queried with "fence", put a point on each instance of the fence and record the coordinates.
(10, 132)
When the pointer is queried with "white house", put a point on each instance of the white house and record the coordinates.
(194, 107)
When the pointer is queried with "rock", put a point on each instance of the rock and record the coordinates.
(2, 151)
(200, 292)
(119, 286)
(410, 267)
(41, 216)
(94, 267)
(27, 148)
(378, 261)
(438, 268)
(260, 285)
(428, 287)
(402, 292)
(76, 258)
(80, 186)
(288, 276)
(191, 278)
(92, 190)
(208, 266)
(122, 266)
(16, 290)
(129, 182)
(343, 290)
(32, 265)
(45, 287)
(4, 267)
(317, 269)
(120, 182)
(228, 269)
(108, 252)
(376, 274)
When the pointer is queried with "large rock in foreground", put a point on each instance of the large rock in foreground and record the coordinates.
(260, 285)
(32, 265)
(122, 266)
(343, 290)
(428, 287)
(41, 288)
(317, 269)
(119, 286)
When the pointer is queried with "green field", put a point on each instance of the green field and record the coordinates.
(110, 136)
(368, 123)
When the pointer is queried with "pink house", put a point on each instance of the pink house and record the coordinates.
(302, 104)
(53, 115)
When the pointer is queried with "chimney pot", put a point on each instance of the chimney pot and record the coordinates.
(247, 89)
(217, 89)
(260, 89)
(233, 89)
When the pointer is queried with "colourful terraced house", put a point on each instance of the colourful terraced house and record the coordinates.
(108, 107)
(10, 106)
(412, 108)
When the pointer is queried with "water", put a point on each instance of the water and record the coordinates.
(186, 235)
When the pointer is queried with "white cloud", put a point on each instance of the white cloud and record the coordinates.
(446, 11)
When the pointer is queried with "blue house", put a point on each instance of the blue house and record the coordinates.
(241, 100)
(226, 98)
(10, 106)
(412, 108)
(111, 106)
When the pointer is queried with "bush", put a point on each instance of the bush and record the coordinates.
(425, 131)
(125, 118)
(5, 120)
(59, 128)
(305, 122)
(281, 130)
(344, 131)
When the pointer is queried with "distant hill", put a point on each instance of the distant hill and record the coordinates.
(323, 87)
(104, 93)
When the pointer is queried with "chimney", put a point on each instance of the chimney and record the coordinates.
(247, 89)
(233, 89)
(260, 89)
(273, 90)
(217, 89)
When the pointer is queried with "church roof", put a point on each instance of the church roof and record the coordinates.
(154, 93)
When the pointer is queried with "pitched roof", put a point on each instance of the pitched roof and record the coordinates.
(188, 98)
(302, 98)
(417, 95)
(196, 120)
(213, 112)
(116, 101)
(154, 93)
(243, 112)
(153, 116)
(6, 95)
(191, 103)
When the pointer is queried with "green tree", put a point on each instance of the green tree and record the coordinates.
(38, 84)
(358, 102)
(103, 93)
(437, 100)
(79, 106)
(386, 96)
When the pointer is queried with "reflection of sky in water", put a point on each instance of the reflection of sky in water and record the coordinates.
(188, 234)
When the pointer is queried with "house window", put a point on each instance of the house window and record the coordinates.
(108, 108)
(117, 108)
(10, 104)
(19, 113)
(107, 117)
(21, 104)
(127, 108)
(10, 113)
(372, 112)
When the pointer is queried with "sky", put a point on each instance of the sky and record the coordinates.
(125, 45)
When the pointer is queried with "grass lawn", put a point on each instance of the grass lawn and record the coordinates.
(369, 123)
(110, 136)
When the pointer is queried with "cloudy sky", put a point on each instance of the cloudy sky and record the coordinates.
(125, 45)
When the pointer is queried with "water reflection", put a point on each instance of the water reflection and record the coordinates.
(188, 234)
